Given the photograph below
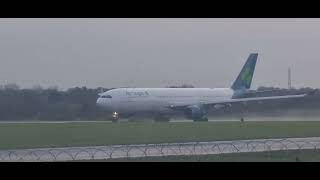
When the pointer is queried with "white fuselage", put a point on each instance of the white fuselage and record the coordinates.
(157, 100)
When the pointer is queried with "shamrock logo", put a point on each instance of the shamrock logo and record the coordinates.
(246, 77)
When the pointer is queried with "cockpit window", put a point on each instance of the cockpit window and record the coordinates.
(106, 96)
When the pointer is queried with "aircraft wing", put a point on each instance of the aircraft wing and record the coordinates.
(254, 99)
(238, 100)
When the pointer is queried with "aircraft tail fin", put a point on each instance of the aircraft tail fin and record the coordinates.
(244, 79)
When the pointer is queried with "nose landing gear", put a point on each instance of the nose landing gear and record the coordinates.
(115, 117)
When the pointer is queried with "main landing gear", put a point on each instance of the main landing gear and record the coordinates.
(204, 119)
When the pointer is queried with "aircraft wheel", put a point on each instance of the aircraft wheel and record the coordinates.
(201, 120)
(205, 119)
(115, 117)
(242, 119)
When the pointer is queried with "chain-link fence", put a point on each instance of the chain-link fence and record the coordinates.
(159, 150)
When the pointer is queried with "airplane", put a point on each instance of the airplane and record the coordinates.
(192, 103)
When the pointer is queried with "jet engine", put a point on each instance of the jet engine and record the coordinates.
(220, 106)
(195, 112)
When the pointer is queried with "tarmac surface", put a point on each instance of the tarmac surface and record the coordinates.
(251, 119)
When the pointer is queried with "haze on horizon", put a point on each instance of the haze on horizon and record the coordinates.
(157, 52)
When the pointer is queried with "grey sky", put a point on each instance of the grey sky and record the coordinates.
(157, 52)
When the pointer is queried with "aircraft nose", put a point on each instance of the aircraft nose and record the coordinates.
(103, 103)
(99, 102)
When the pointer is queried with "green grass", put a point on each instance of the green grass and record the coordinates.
(33, 135)
(273, 156)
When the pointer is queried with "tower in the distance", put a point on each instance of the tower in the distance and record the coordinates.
(289, 78)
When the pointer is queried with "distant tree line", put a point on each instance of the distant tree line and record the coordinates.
(79, 103)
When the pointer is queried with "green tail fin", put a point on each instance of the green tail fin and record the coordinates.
(244, 79)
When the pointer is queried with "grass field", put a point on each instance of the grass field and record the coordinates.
(274, 156)
(35, 135)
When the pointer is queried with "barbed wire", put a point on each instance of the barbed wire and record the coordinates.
(159, 150)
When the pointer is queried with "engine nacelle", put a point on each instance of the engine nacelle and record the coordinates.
(220, 106)
(195, 112)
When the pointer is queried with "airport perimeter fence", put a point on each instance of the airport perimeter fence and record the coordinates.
(159, 150)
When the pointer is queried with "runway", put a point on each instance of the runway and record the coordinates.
(166, 149)
(50, 122)
(265, 119)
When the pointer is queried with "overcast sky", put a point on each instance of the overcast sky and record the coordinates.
(157, 52)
